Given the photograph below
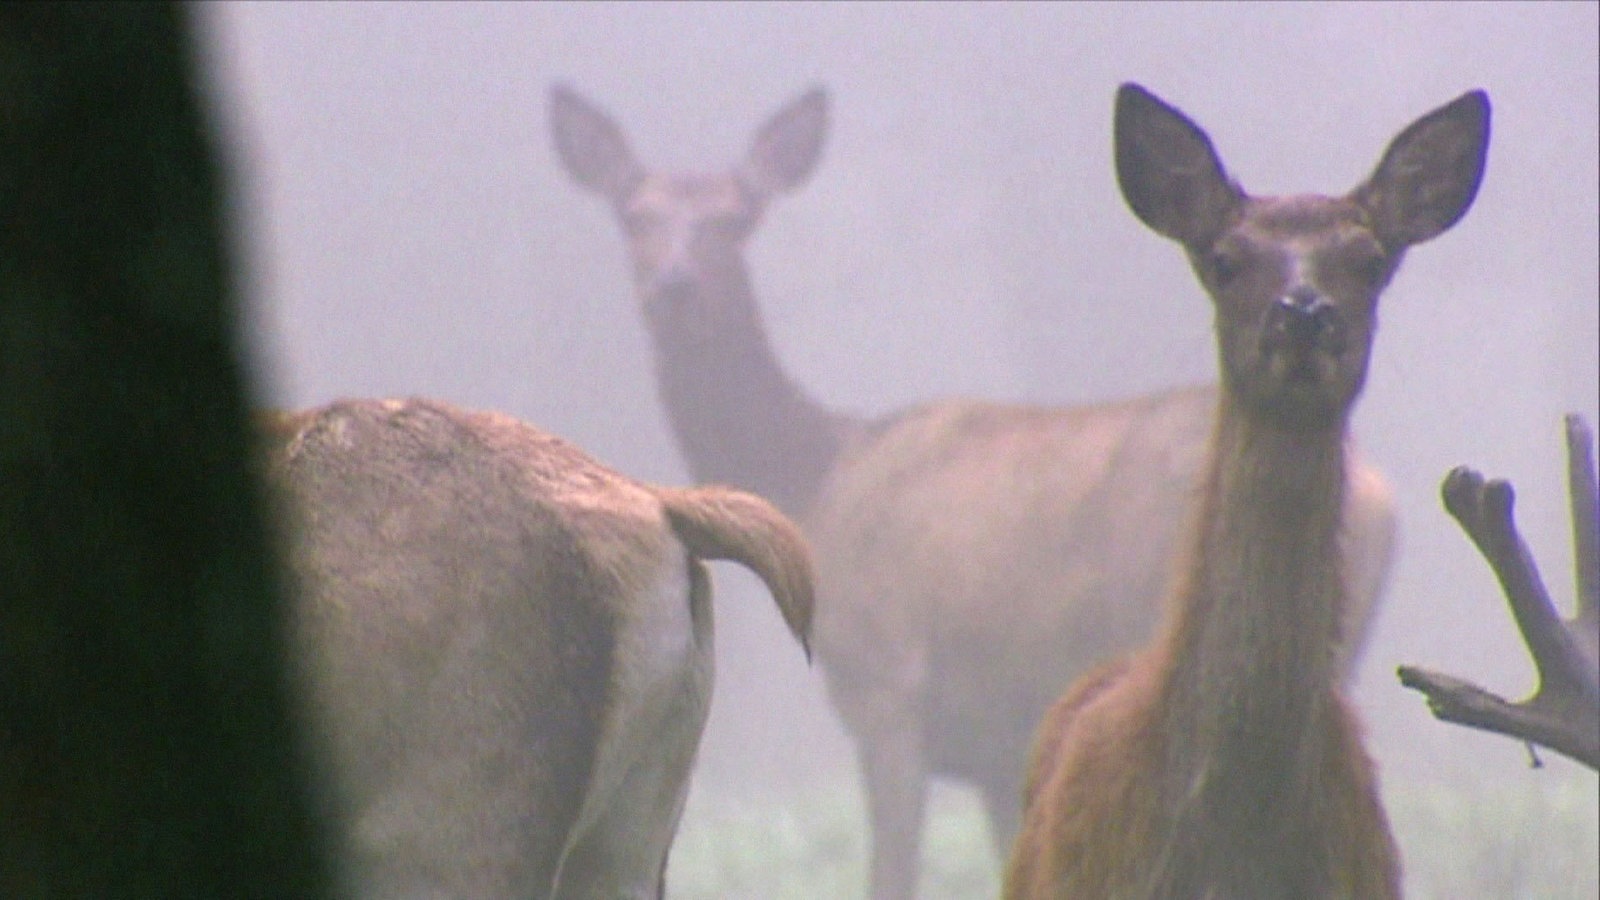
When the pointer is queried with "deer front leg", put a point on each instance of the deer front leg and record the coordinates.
(878, 679)
(894, 768)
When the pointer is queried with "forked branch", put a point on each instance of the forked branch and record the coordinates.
(1564, 713)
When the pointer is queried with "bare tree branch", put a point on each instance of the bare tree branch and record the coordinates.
(1585, 502)
(1564, 713)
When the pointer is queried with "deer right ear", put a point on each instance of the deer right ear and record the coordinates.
(590, 145)
(1169, 174)
(786, 149)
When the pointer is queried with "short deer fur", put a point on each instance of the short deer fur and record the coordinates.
(1221, 761)
(973, 558)
(507, 646)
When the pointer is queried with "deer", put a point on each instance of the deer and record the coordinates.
(973, 557)
(1221, 759)
(505, 647)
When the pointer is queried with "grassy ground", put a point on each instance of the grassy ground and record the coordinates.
(1504, 843)
(816, 846)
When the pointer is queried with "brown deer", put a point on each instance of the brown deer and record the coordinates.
(973, 558)
(1221, 761)
(507, 645)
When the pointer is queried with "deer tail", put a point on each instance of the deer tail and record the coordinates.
(722, 523)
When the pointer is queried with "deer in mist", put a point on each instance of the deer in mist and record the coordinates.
(1221, 760)
(507, 647)
(973, 558)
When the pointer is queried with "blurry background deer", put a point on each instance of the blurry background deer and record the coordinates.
(409, 230)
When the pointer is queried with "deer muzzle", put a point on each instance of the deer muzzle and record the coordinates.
(673, 285)
(1303, 320)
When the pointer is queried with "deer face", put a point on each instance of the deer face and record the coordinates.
(686, 236)
(686, 233)
(1295, 281)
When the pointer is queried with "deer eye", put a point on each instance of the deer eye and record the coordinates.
(727, 223)
(640, 221)
(1224, 264)
(1369, 265)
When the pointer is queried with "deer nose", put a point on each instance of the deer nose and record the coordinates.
(1305, 317)
(673, 283)
(672, 278)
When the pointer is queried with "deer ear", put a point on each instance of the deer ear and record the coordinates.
(1429, 176)
(591, 146)
(786, 149)
(1169, 174)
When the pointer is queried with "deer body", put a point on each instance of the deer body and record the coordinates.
(973, 558)
(506, 645)
(1221, 761)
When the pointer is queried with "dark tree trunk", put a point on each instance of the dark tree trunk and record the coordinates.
(147, 742)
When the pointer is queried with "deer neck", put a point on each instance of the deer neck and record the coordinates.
(738, 418)
(1249, 688)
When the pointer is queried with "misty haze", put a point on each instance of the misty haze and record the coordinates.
(407, 229)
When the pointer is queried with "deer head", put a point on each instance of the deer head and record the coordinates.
(686, 232)
(1295, 280)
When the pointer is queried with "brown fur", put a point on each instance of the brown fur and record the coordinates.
(973, 557)
(1220, 761)
(506, 645)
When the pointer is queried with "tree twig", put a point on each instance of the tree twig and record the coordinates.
(1585, 504)
(1564, 713)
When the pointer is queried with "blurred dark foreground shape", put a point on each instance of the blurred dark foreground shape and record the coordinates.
(146, 748)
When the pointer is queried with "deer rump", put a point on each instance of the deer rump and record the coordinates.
(506, 648)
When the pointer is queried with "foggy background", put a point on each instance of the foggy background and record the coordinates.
(406, 230)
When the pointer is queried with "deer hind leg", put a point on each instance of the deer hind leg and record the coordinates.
(623, 853)
(1002, 801)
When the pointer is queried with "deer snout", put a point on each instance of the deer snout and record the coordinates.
(673, 296)
(673, 284)
(669, 269)
(1306, 319)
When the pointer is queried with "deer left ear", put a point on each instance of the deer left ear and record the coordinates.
(1429, 176)
(786, 149)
